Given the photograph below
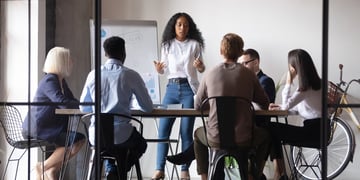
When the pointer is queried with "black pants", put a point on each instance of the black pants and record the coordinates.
(304, 136)
(136, 146)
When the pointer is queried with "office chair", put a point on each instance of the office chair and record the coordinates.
(11, 122)
(228, 110)
(107, 148)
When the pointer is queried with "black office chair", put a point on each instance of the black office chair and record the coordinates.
(108, 151)
(11, 121)
(228, 109)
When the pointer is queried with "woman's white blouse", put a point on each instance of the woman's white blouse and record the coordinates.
(307, 103)
(179, 59)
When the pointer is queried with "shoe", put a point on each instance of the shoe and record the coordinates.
(185, 175)
(159, 175)
(159, 178)
(112, 175)
(184, 157)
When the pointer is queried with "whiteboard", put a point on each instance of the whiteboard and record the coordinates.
(141, 48)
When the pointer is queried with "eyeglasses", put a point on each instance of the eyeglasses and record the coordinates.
(247, 62)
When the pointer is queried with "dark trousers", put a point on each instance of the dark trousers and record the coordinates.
(136, 145)
(304, 136)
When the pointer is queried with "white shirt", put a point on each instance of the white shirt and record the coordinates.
(179, 59)
(306, 103)
(118, 85)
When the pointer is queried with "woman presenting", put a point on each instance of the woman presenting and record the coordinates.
(181, 59)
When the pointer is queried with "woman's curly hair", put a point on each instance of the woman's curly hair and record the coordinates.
(169, 31)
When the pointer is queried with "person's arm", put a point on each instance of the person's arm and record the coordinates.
(201, 94)
(52, 89)
(269, 87)
(67, 91)
(198, 62)
(141, 93)
(86, 93)
(161, 65)
(289, 101)
(199, 65)
(260, 97)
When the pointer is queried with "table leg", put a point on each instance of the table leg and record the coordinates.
(69, 143)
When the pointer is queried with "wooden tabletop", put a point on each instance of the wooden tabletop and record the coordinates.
(172, 112)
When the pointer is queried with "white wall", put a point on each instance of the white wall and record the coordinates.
(272, 27)
(344, 40)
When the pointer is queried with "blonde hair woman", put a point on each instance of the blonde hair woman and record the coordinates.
(44, 124)
(58, 61)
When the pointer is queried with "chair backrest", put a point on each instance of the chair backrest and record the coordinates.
(228, 111)
(107, 126)
(11, 121)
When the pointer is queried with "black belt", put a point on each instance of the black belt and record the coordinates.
(178, 80)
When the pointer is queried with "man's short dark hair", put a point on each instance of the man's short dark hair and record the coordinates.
(252, 53)
(114, 47)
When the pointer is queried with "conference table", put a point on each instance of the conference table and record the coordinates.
(161, 112)
(75, 114)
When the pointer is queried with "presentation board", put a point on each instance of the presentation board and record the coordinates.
(141, 48)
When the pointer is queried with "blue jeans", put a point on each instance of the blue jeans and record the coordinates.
(176, 93)
(110, 165)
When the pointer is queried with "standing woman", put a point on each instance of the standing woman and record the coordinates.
(44, 124)
(181, 58)
(306, 101)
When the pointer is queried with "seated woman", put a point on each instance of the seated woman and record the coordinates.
(44, 124)
(306, 101)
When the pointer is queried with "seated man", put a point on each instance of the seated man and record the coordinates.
(228, 79)
(251, 60)
(118, 85)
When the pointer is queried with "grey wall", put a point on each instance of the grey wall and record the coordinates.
(72, 31)
(271, 27)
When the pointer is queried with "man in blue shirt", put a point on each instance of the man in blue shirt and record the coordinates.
(118, 85)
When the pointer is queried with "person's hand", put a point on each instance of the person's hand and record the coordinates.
(199, 65)
(291, 75)
(159, 66)
(273, 106)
